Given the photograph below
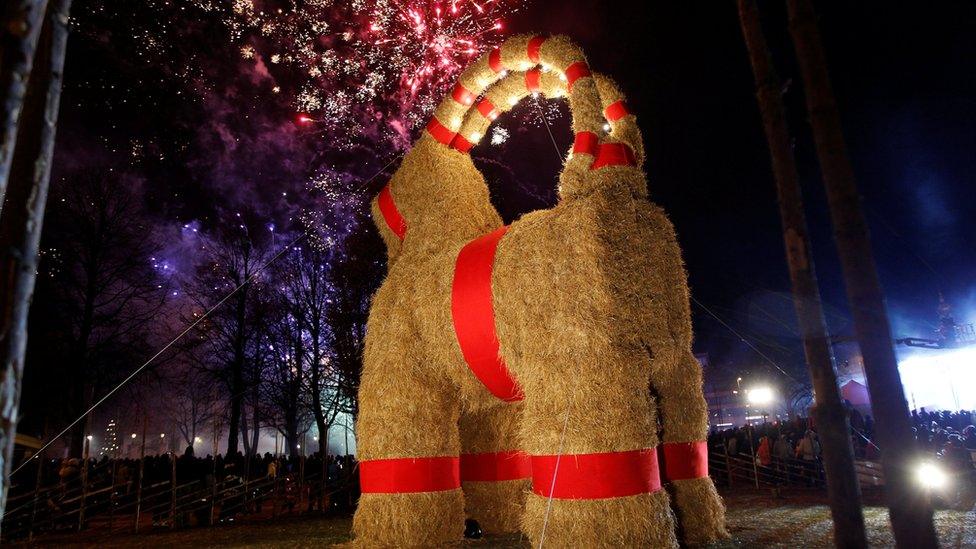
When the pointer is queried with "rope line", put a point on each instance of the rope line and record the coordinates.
(552, 487)
(743, 339)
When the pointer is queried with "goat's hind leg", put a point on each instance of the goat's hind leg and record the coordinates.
(592, 441)
(495, 474)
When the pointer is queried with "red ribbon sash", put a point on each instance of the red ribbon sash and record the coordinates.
(394, 220)
(596, 476)
(616, 110)
(487, 109)
(495, 466)
(408, 475)
(474, 316)
(535, 44)
(462, 95)
(532, 80)
(440, 132)
(685, 460)
(613, 154)
(574, 72)
(495, 60)
(461, 144)
(587, 143)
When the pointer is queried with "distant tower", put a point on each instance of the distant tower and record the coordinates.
(951, 333)
(947, 324)
(111, 444)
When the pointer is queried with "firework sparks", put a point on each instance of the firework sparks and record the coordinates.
(379, 65)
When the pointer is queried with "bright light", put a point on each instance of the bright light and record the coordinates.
(939, 379)
(133, 435)
(197, 440)
(760, 396)
(305, 119)
(606, 127)
(930, 476)
(299, 446)
(162, 435)
(89, 437)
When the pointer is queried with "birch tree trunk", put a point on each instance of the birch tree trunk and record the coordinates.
(20, 27)
(910, 509)
(22, 220)
(831, 418)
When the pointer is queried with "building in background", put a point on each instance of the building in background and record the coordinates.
(110, 443)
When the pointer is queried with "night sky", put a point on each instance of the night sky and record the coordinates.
(903, 78)
(160, 92)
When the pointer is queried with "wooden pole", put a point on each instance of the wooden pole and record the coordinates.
(752, 457)
(728, 463)
(111, 494)
(84, 483)
(832, 424)
(213, 492)
(172, 494)
(37, 489)
(910, 510)
(142, 471)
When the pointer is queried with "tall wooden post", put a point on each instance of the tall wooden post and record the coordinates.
(84, 483)
(832, 422)
(213, 491)
(111, 494)
(910, 510)
(172, 495)
(142, 471)
(37, 490)
(728, 463)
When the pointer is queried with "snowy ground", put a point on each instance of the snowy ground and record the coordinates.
(755, 520)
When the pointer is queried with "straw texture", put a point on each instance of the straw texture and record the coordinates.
(591, 312)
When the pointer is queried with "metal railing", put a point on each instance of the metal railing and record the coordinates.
(96, 501)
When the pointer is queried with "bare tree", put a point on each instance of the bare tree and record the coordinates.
(911, 511)
(101, 286)
(231, 335)
(353, 278)
(843, 488)
(304, 282)
(23, 218)
(191, 402)
(20, 27)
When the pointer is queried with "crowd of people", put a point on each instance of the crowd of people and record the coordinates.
(207, 489)
(946, 436)
(949, 435)
(782, 450)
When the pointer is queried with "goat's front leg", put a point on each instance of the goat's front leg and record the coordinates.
(407, 435)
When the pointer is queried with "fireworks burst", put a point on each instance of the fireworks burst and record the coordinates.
(357, 66)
